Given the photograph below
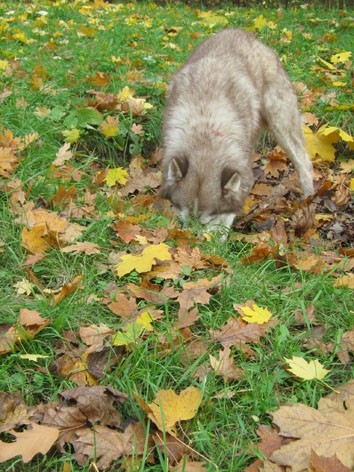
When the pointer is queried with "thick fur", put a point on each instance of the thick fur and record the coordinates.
(230, 88)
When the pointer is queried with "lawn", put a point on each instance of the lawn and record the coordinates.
(128, 342)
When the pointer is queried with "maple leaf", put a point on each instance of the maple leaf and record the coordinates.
(328, 431)
(306, 370)
(133, 330)
(252, 313)
(168, 407)
(109, 127)
(8, 162)
(260, 22)
(326, 464)
(345, 281)
(125, 94)
(13, 411)
(71, 135)
(104, 445)
(84, 246)
(63, 155)
(67, 289)
(237, 333)
(341, 57)
(117, 175)
(225, 365)
(36, 439)
(143, 262)
(123, 306)
(196, 292)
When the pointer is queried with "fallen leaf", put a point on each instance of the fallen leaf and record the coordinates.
(36, 439)
(225, 366)
(306, 370)
(117, 175)
(345, 281)
(68, 289)
(252, 313)
(168, 407)
(326, 464)
(84, 246)
(143, 262)
(63, 155)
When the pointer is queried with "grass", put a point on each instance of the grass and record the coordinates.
(53, 58)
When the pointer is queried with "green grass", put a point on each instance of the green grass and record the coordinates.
(150, 45)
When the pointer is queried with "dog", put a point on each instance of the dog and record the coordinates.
(230, 88)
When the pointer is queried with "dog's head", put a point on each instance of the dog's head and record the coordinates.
(206, 189)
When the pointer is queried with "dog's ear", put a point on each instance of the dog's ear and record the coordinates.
(230, 180)
(177, 169)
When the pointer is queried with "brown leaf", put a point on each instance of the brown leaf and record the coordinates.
(126, 231)
(96, 403)
(124, 307)
(174, 447)
(190, 258)
(188, 319)
(9, 336)
(36, 439)
(225, 365)
(326, 464)
(74, 368)
(259, 253)
(346, 345)
(106, 445)
(13, 411)
(84, 246)
(196, 292)
(68, 289)
(63, 155)
(328, 432)
(32, 321)
(95, 336)
(189, 466)
(237, 333)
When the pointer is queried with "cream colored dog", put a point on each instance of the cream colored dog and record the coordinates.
(230, 88)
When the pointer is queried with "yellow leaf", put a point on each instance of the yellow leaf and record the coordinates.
(145, 319)
(256, 314)
(339, 83)
(341, 57)
(168, 407)
(20, 36)
(125, 94)
(352, 184)
(346, 280)
(3, 65)
(33, 357)
(327, 64)
(129, 336)
(144, 261)
(71, 135)
(109, 127)
(260, 22)
(117, 175)
(306, 370)
(336, 132)
(211, 19)
(319, 146)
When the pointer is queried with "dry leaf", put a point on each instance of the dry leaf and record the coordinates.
(36, 439)
(225, 365)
